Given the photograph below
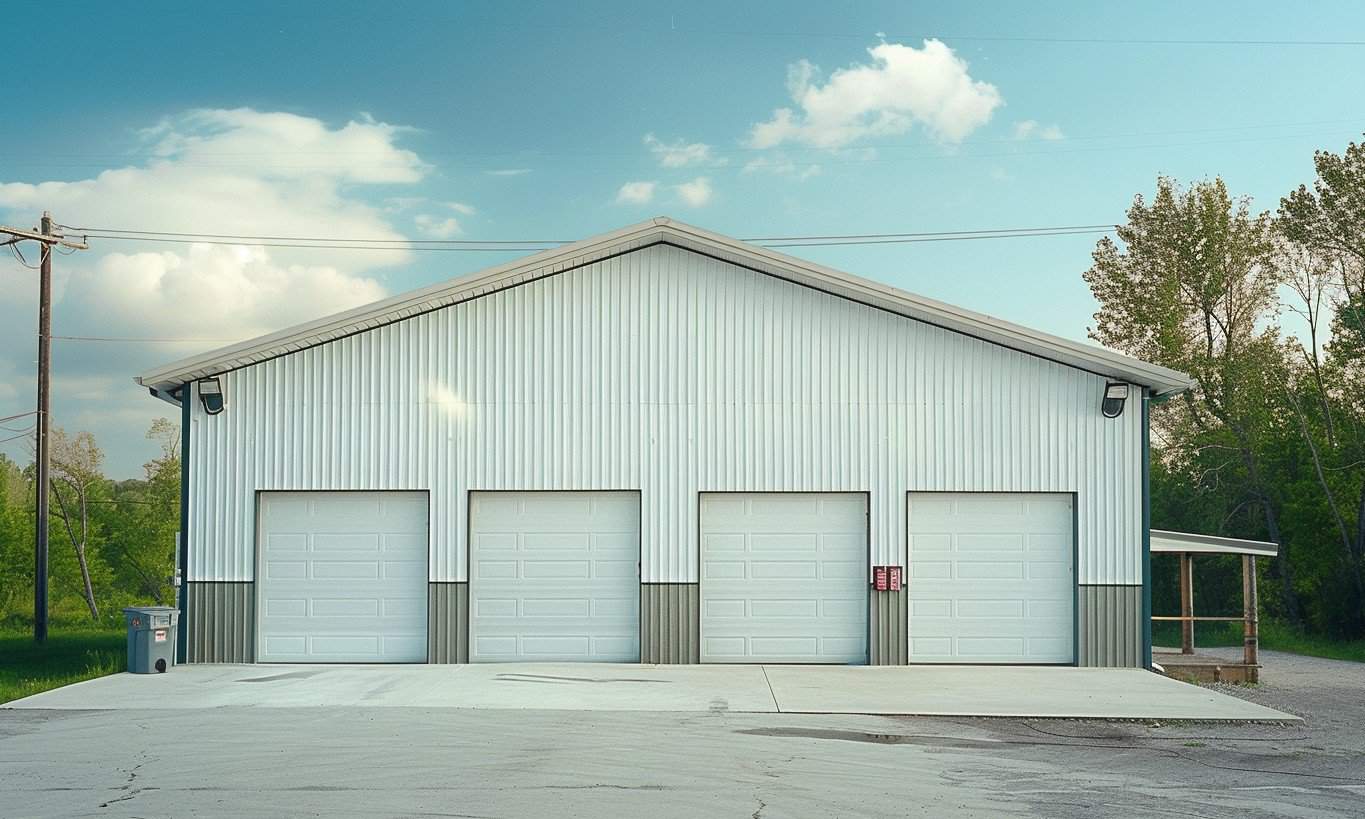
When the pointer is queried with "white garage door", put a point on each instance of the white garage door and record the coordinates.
(343, 577)
(990, 578)
(554, 576)
(784, 578)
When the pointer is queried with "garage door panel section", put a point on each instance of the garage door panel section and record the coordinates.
(343, 577)
(554, 576)
(991, 578)
(783, 578)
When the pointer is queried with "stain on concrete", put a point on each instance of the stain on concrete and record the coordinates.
(288, 675)
(550, 678)
(874, 738)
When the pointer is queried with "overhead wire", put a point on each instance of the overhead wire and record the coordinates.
(536, 245)
(146, 340)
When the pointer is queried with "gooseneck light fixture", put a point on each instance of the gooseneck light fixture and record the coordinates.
(211, 395)
(1115, 396)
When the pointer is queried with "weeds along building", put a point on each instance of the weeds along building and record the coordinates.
(664, 445)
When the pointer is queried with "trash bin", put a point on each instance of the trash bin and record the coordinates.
(151, 638)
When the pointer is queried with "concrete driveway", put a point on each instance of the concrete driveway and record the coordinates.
(916, 690)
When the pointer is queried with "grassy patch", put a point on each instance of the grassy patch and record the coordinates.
(1274, 636)
(67, 657)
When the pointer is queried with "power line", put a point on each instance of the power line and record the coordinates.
(395, 246)
(935, 239)
(95, 230)
(674, 30)
(524, 245)
(1020, 231)
(146, 340)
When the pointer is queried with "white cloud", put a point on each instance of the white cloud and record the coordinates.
(436, 227)
(681, 154)
(901, 87)
(636, 193)
(1032, 129)
(286, 146)
(780, 165)
(228, 171)
(695, 193)
(206, 291)
(508, 171)
(462, 208)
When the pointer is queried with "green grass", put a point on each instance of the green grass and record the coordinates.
(67, 657)
(1274, 636)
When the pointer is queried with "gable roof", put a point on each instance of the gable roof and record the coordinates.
(662, 230)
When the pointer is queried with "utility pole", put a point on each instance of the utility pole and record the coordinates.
(47, 240)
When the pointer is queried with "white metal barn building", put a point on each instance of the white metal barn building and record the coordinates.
(664, 445)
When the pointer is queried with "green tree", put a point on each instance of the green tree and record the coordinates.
(77, 481)
(1191, 284)
(141, 521)
(1325, 226)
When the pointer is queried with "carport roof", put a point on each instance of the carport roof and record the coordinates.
(1169, 542)
(662, 230)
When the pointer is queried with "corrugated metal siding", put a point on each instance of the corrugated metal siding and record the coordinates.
(220, 622)
(672, 373)
(1110, 626)
(448, 623)
(670, 623)
(887, 626)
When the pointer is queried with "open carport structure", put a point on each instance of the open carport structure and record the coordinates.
(1187, 663)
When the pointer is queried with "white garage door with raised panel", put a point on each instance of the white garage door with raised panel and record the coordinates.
(342, 577)
(784, 578)
(554, 576)
(991, 578)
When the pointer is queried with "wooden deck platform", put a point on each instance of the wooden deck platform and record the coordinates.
(1203, 667)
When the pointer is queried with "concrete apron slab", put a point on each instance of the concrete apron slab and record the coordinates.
(916, 690)
(1013, 691)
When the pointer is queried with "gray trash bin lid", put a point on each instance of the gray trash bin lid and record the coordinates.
(145, 617)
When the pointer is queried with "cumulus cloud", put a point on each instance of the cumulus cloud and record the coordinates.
(695, 193)
(437, 227)
(237, 171)
(1032, 129)
(207, 291)
(902, 86)
(636, 193)
(780, 165)
(681, 154)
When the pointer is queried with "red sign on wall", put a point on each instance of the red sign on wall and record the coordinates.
(893, 578)
(879, 578)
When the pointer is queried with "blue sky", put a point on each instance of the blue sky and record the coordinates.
(473, 121)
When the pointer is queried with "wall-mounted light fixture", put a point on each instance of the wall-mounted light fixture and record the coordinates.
(1115, 396)
(211, 395)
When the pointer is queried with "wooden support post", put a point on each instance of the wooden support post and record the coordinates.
(1251, 636)
(1186, 603)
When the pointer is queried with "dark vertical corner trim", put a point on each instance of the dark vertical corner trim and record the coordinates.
(1146, 529)
(182, 591)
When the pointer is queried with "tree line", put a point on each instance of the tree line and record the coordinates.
(1267, 311)
(111, 542)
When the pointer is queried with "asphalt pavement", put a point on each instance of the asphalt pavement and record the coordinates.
(497, 762)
